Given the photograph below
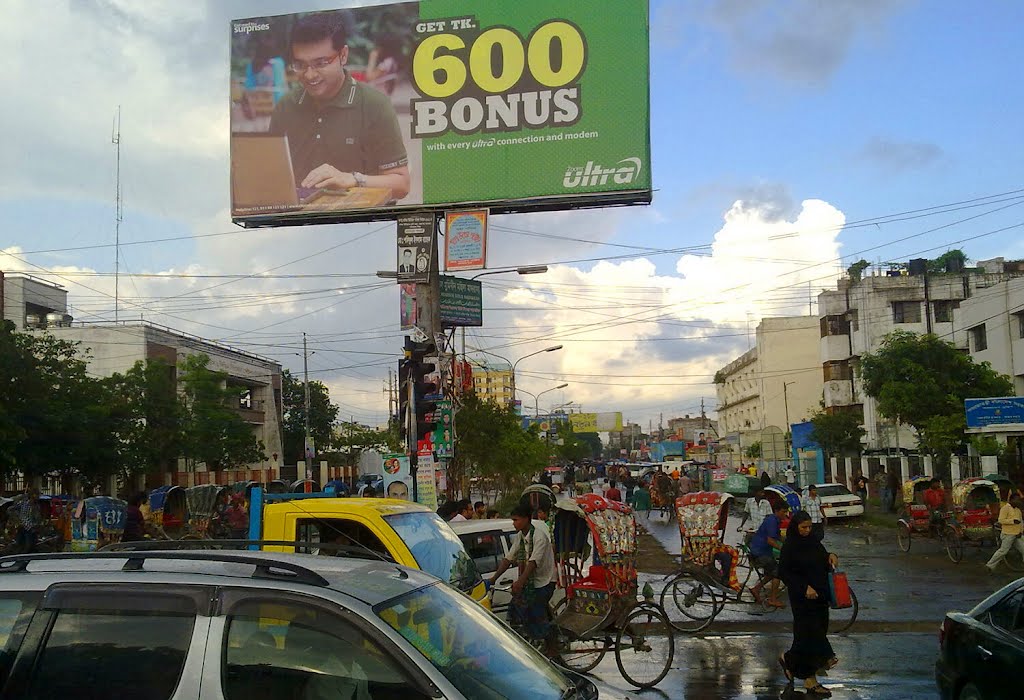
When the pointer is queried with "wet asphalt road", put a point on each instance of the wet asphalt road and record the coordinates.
(889, 653)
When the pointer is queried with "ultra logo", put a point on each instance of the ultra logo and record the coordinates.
(624, 172)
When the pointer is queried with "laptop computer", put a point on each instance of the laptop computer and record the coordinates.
(262, 177)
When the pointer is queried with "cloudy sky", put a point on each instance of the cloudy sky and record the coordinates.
(790, 138)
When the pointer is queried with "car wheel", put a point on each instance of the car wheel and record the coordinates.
(970, 692)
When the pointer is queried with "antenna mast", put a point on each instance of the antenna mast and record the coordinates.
(115, 138)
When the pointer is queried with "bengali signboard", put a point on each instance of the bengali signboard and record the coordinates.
(461, 302)
(366, 112)
(999, 411)
(465, 240)
(415, 246)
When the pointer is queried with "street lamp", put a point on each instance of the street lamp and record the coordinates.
(553, 348)
(536, 398)
(524, 270)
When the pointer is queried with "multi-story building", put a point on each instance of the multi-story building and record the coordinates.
(771, 386)
(40, 307)
(629, 438)
(865, 307)
(689, 429)
(493, 382)
(990, 325)
(28, 301)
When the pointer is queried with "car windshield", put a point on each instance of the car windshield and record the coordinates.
(436, 548)
(834, 490)
(478, 654)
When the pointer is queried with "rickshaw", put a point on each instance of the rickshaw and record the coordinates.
(975, 515)
(201, 502)
(663, 494)
(601, 611)
(711, 571)
(917, 519)
(97, 522)
(168, 512)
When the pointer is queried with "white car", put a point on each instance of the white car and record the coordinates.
(488, 542)
(838, 502)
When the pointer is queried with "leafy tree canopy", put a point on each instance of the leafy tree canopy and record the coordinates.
(838, 434)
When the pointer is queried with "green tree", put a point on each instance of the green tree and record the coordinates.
(213, 431)
(322, 416)
(922, 381)
(153, 421)
(351, 439)
(491, 443)
(838, 434)
(754, 451)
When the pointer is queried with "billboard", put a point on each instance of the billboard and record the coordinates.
(363, 113)
(595, 422)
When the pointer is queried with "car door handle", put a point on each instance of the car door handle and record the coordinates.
(984, 653)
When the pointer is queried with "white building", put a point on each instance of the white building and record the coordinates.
(771, 386)
(990, 325)
(862, 310)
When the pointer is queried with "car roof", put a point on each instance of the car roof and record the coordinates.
(473, 526)
(370, 582)
(379, 506)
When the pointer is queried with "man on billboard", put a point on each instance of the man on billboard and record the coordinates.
(341, 132)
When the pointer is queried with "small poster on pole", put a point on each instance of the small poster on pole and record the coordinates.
(465, 240)
(397, 477)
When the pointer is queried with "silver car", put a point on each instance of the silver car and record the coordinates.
(251, 625)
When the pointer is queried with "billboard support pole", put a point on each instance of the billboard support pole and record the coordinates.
(428, 315)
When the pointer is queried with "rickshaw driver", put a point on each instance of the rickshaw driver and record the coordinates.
(935, 499)
(531, 550)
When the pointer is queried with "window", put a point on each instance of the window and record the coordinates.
(347, 537)
(286, 649)
(979, 338)
(906, 312)
(837, 370)
(484, 548)
(943, 310)
(15, 613)
(1008, 614)
(1020, 323)
(114, 644)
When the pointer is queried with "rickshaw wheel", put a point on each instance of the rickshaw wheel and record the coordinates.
(903, 536)
(582, 655)
(842, 619)
(645, 646)
(695, 599)
(954, 545)
(1014, 561)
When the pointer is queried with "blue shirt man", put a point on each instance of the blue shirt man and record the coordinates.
(770, 529)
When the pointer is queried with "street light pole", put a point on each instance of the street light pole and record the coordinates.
(536, 398)
(516, 363)
(524, 270)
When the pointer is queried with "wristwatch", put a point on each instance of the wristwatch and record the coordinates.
(360, 179)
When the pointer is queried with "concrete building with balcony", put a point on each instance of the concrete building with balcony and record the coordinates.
(771, 386)
(688, 428)
(990, 325)
(864, 308)
(493, 382)
(29, 302)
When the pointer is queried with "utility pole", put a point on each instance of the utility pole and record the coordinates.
(305, 383)
(115, 138)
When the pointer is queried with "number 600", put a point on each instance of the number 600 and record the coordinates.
(536, 55)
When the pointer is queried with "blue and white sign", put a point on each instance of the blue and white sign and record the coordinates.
(1002, 411)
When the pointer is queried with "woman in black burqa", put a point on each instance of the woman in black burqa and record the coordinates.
(804, 565)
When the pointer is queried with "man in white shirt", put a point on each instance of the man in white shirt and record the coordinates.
(812, 504)
(757, 509)
(531, 550)
(790, 477)
(464, 511)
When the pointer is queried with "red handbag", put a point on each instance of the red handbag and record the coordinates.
(839, 590)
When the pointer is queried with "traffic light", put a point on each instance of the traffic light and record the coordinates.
(426, 393)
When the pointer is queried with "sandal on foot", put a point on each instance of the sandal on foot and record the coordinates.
(818, 691)
(831, 663)
(776, 603)
(785, 668)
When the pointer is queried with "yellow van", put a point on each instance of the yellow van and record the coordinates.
(408, 533)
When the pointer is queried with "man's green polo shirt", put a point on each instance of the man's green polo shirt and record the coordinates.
(356, 131)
